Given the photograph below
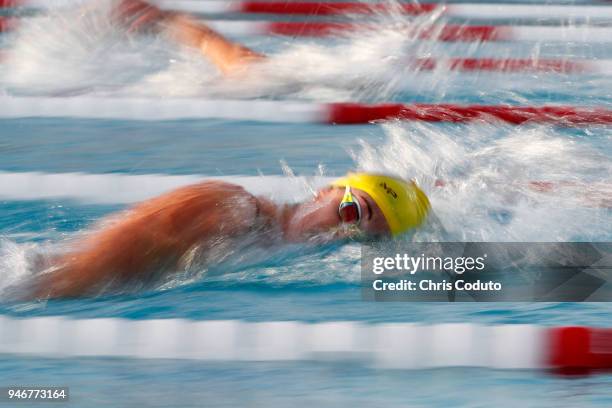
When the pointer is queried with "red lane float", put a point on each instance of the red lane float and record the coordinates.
(8, 24)
(511, 65)
(322, 8)
(10, 3)
(580, 350)
(352, 113)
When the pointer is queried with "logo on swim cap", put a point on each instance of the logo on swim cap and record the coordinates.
(388, 189)
(403, 204)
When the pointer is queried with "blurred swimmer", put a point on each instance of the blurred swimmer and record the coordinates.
(159, 235)
(141, 16)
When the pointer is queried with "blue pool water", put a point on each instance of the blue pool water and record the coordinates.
(483, 163)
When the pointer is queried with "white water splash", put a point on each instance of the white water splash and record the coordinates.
(83, 51)
(17, 263)
(479, 178)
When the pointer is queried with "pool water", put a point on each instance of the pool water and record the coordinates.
(485, 165)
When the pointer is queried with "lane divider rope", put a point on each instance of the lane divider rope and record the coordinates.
(310, 8)
(117, 188)
(506, 65)
(467, 10)
(388, 345)
(513, 65)
(292, 112)
(449, 33)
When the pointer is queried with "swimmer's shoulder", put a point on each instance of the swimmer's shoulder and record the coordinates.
(209, 191)
(231, 197)
(208, 202)
(216, 187)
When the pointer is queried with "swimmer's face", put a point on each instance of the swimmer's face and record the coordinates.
(321, 216)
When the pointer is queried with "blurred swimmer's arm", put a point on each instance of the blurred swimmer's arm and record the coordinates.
(225, 54)
(153, 238)
(228, 55)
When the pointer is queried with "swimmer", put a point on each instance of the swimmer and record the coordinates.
(158, 235)
(141, 16)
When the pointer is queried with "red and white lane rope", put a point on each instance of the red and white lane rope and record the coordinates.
(390, 345)
(448, 33)
(292, 112)
(509, 65)
(483, 11)
(513, 65)
(467, 10)
(114, 188)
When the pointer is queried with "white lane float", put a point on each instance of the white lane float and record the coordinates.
(312, 8)
(386, 345)
(118, 188)
(151, 109)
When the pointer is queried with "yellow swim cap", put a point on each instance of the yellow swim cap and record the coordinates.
(402, 203)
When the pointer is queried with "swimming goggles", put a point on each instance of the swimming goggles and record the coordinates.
(349, 209)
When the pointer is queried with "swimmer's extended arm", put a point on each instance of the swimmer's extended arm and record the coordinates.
(152, 238)
(225, 54)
